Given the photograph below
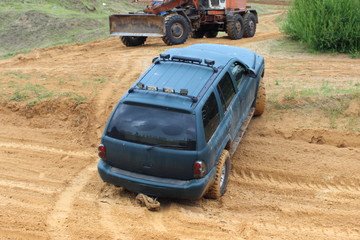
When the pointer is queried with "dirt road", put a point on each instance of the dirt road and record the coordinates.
(292, 176)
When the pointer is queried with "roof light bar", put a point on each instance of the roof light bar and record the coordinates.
(165, 56)
(186, 59)
(169, 90)
(152, 88)
(184, 92)
(176, 58)
(209, 62)
(140, 85)
(155, 60)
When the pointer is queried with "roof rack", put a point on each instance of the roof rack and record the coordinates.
(176, 58)
(170, 91)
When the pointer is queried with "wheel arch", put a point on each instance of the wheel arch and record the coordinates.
(257, 85)
(253, 11)
(242, 13)
(182, 13)
(225, 145)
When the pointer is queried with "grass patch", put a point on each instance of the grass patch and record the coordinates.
(31, 24)
(331, 25)
(16, 75)
(74, 96)
(291, 94)
(19, 96)
(327, 102)
(263, 9)
(288, 45)
(33, 93)
(100, 80)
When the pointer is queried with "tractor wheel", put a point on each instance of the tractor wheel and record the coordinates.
(222, 176)
(177, 30)
(235, 27)
(250, 25)
(198, 34)
(211, 34)
(260, 98)
(132, 41)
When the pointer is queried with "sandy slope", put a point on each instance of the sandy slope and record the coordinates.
(291, 178)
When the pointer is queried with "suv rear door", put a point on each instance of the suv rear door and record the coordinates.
(151, 140)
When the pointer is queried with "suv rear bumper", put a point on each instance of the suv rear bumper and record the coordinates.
(155, 186)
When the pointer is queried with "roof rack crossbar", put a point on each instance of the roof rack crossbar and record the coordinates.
(176, 58)
(161, 91)
(186, 59)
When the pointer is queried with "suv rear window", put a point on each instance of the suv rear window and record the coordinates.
(153, 126)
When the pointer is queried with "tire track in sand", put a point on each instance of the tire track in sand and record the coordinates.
(56, 221)
(330, 183)
(314, 232)
(57, 226)
(109, 223)
(126, 72)
(39, 148)
(24, 185)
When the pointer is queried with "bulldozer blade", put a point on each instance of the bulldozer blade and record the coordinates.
(137, 25)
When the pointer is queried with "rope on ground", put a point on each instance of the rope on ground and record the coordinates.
(146, 201)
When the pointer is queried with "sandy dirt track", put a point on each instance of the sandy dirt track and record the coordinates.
(292, 176)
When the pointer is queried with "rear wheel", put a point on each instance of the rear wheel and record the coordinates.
(260, 99)
(177, 30)
(250, 25)
(132, 41)
(235, 27)
(222, 176)
(211, 34)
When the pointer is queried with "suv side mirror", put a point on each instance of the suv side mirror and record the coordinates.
(251, 73)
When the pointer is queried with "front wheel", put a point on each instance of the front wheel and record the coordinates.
(132, 41)
(218, 188)
(260, 98)
(177, 29)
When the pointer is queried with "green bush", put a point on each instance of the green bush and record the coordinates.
(325, 25)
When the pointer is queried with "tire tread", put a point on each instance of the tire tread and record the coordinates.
(260, 98)
(215, 190)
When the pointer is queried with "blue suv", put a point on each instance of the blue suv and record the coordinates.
(173, 132)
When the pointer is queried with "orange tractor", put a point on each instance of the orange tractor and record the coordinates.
(176, 20)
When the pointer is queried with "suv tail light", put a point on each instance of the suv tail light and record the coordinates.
(199, 169)
(102, 151)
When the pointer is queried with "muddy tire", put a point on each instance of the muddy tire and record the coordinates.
(250, 25)
(177, 30)
(132, 41)
(211, 34)
(260, 99)
(218, 188)
(235, 27)
(198, 34)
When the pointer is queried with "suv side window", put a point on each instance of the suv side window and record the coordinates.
(210, 116)
(238, 71)
(226, 90)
